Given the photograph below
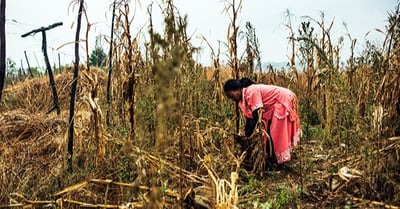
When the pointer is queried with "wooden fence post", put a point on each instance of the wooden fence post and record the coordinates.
(46, 59)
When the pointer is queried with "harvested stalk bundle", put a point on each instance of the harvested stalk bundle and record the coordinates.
(258, 152)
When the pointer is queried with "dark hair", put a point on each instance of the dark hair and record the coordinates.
(235, 84)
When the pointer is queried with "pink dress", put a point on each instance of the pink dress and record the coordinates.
(280, 108)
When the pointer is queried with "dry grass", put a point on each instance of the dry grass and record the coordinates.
(183, 154)
(32, 150)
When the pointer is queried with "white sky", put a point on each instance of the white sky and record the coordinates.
(205, 17)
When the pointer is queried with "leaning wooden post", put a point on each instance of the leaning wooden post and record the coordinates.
(22, 71)
(2, 45)
(73, 89)
(46, 59)
(29, 66)
(59, 63)
(108, 93)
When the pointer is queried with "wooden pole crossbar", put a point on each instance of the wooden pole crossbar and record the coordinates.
(46, 59)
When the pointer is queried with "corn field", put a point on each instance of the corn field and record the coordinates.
(156, 131)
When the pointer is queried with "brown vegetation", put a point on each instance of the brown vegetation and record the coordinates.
(179, 151)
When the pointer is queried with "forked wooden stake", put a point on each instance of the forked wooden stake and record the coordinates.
(46, 59)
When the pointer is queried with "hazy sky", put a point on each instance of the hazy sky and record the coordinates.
(206, 17)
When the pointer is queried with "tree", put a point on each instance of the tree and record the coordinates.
(11, 67)
(98, 56)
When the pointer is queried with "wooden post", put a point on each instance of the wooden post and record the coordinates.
(2, 45)
(59, 63)
(73, 89)
(29, 66)
(46, 59)
(22, 71)
(110, 68)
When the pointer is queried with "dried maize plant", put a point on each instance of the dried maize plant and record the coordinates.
(216, 73)
(225, 193)
(385, 82)
(306, 59)
(166, 62)
(368, 116)
(146, 100)
(97, 121)
(367, 79)
(168, 56)
(119, 71)
(191, 77)
(178, 78)
(131, 61)
(351, 68)
(251, 63)
(389, 89)
(208, 146)
(293, 74)
(127, 62)
(325, 70)
(271, 76)
(205, 136)
(116, 103)
(232, 36)
(365, 84)
(178, 83)
(323, 75)
(292, 38)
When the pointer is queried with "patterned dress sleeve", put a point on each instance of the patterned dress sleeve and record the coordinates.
(253, 98)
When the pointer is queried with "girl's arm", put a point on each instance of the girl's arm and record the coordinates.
(251, 123)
